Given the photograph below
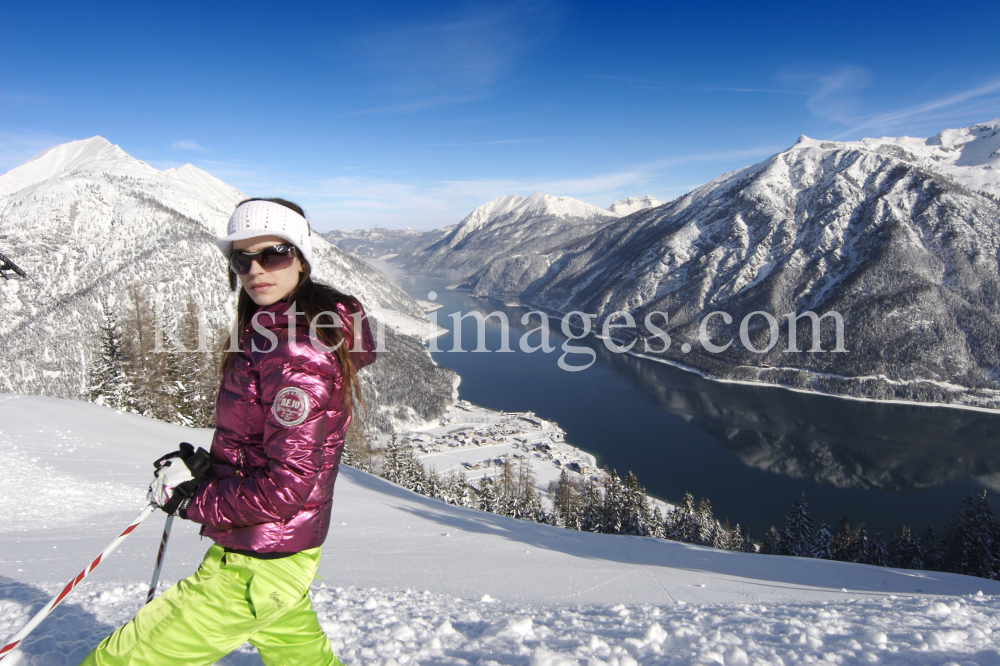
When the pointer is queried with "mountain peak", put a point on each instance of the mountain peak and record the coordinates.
(57, 160)
(539, 203)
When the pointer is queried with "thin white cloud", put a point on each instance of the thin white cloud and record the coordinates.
(415, 105)
(457, 58)
(777, 91)
(637, 82)
(836, 95)
(477, 143)
(716, 156)
(927, 110)
(641, 83)
(189, 145)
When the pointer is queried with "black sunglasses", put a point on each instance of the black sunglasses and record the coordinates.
(273, 258)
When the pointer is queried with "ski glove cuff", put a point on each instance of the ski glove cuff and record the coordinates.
(177, 476)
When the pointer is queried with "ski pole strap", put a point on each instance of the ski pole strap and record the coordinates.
(159, 558)
(56, 600)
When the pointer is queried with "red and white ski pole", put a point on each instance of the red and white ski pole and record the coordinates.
(159, 558)
(56, 600)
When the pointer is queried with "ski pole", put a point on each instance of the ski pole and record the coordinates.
(43, 613)
(159, 558)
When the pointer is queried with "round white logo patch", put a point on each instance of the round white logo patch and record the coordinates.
(291, 406)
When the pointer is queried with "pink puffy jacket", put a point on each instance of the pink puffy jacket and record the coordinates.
(280, 423)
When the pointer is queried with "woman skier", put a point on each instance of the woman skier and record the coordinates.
(289, 382)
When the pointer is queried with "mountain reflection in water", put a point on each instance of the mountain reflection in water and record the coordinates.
(749, 449)
(845, 443)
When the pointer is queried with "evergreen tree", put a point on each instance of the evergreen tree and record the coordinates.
(680, 524)
(464, 491)
(749, 543)
(772, 542)
(612, 513)
(736, 539)
(860, 549)
(721, 537)
(392, 462)
(172, 388)
(822, 543)
(455, 490)
(592, 508)
(931, 550)
(706, 525)
(971, 540)
(527, 505)
(489, 499)
(880, 553)
(109, 383)
(842, 541)
(905, 549)
(798, 532)
(433, 486)
(635, 510)
(656, 521)
(415, 477)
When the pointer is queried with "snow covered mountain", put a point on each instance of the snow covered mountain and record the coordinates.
(385, 244)
(624, 207)
(93, 226)
(473, 587)
(969, 155)
(869, 229)
(510, 225)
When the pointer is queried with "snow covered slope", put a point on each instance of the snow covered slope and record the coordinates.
(624, 207)
(92, 225)
(968, 155)
(409, 579)
(385, 244)
(510, 225)
(908, 257)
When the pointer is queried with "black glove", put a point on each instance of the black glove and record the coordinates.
(197, 464)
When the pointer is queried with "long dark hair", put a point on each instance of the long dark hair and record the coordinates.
(312, 298)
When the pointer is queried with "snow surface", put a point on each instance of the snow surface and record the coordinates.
(536, 205)
(624, 207)
(406, 579)
(476, 440)
(968, 155)
(56, 161)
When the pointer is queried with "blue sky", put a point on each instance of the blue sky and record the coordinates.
(412, 114)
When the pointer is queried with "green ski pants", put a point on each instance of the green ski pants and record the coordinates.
(230, 599)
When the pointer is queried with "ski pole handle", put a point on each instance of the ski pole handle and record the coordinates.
(159, 558)
(56, 600)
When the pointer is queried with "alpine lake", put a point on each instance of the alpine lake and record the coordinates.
(750, 449)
